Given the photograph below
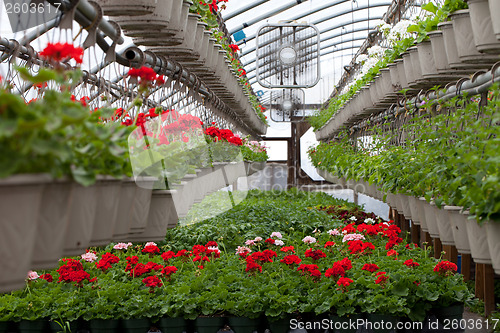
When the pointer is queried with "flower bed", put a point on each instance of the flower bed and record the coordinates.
(337, 265)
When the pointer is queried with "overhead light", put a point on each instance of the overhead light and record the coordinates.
(288, 55)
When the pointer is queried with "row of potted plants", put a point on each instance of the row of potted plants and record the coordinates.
(189, 33)
(72, 170)
(443, 177)
(425, 53)
(351, 263)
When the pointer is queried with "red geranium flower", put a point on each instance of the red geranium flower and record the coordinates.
(106, 261)
(252, 266)
(346, 263)
(47, 277)
(270, 241)
(329, 244)
(168, 255)
(344, 282)
(62, 52)
(212, 244)
(291, 259)
(410, 263)
(335, 271)
(315, 254)
(381, 278)
(151, 249)
(169, 270)
(287, 249)
(152, 282)
(234, 47)
(370, 267)
(445, 268)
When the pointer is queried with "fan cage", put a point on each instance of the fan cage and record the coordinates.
(279, 113)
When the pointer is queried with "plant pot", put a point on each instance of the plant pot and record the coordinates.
(423, 221)
(135, 325)
(279, 326)
(375, 320)
(415, 209)
(478, 241)
(243, 324)
(158, 19)
(208, 324)
(108, 196)
(141, 204)
(449, 314)
(104, 325)
(427, 64)
(52, 224)
(438, 52)
(450, 44)
(402, 74)
(172, 325)
(444, 226)
(405, 203)
(484, 36)
(458, 223)
(344, 324)
(398, 200)
(56, 328)
(18, 226)
(32, 326)
(493, 235)
(162, 214)
(415, 60)
(467, 51)
(495, 19)
(127, 7)
(125, 210)
(430, 219)
(82, 211)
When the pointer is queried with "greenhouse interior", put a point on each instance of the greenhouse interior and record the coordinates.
(357, 187)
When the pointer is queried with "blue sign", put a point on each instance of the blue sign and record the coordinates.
(259, 93)
(239, 35)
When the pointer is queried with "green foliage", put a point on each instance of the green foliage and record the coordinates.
(451, 157)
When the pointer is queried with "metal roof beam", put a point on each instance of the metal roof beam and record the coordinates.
(267, 15)
(243, 9)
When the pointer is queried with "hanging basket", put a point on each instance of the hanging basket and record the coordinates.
(423, 221)
(18, 225)
(108, 196)
(444, 226)
(459, 228)
(127, 7)
(141, 205)
(52, 224)
(495, 19)
(480, 17)
(82, 212)
(493, 235)
(478, 241)
(162, 214)
(415, 210)
(430, 219)
(125, 210)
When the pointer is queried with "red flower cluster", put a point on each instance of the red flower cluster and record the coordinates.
(146, 76)
(269, 241)
(311, 269)
(370, 267)
(62, 52)
(168, 255)
(252, 266)
(445, 268)
(47, 277)
(369, 229)
(392, 253)
(152, 282)
(381, 278)
(72, 271)
(168, 270)
(235, 48)
(291, 259)
(287, 249)
(141, 269)
(358, 246)
(315, 254)
(344, 282)
(410, 263)
(106, 261)
(349, 229)
(151, 249)
(336, 270)
(83, 100)
(329, 244)
(346, 263)
(131, 262)
(223, 135)
(264, 256)
(242, 72)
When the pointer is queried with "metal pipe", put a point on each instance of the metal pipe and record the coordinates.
(266, 15)
(89, 12)
(243, 9)
(337, 14)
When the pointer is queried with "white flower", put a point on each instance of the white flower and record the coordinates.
(279, 242)
(150, 244)
(122, 246)
(353, 218)
(89, 257)
(257, 239)
(213, 249)
(276, 234)
(32, 275)
(369, 220)
(376, 51)
(350, 237)
(242, 249)
(250, 242)
(361, 58)
(309, 240)
(333, 232)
